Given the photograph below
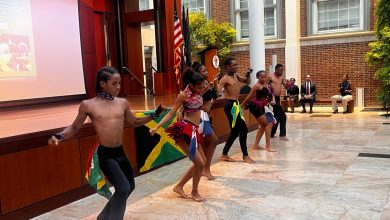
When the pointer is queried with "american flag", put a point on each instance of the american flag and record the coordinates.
(178, 42)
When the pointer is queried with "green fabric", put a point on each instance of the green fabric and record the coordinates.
(236, 112)
(95, 177)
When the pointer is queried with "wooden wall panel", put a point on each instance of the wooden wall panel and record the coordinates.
(87, 30)
(86, 3)
(89, 68)
(38, 174)
(130, 145)
(101, 55)
(134, 59)
(222, 127)
(104, 5)
(158, 84)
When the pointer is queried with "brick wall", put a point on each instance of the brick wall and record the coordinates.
(283, 26)
(373, 17)
(244, 61)
(303, 17)
(327, 64)
(220, 10)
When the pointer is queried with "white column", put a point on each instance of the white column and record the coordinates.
(293, 32)
(256, 37)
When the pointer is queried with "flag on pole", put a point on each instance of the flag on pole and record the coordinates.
(187, 41)
(178, 43)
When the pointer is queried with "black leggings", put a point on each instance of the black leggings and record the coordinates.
(239, 129)
(280, 118)
(117, 169)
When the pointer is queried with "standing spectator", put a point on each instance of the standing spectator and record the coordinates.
(345, 95)
(308, 93)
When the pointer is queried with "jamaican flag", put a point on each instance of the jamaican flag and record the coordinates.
(156, 150)
(95, 176)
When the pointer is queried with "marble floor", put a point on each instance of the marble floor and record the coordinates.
(317, 174)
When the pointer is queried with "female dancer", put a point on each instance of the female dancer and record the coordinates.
(210, 139)
(260, 108)
(186, 133)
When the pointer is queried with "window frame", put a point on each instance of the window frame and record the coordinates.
(364, 19)
(237, 19)
(206, 4)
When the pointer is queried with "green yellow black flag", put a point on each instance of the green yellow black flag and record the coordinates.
(159, 149)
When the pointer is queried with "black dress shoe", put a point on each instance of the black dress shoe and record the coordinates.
(311, 112)
(303, 111)
(335, 111)
(345, 112)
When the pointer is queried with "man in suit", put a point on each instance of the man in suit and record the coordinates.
(308, 93)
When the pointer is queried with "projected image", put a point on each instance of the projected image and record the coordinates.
(16, 40)
(15, 56)
(40, 50)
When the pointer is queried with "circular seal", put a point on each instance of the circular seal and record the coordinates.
(215, 61)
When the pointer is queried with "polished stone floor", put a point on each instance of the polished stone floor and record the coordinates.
(318, 174)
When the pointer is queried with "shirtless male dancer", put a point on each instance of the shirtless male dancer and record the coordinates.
(233, 110)
(278, 79)
(108, 114)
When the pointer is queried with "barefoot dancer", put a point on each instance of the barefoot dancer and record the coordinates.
(210, 139)
(108, 114)
(259, 106)
(185, 132)
(233, 110)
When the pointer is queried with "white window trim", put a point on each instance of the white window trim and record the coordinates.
(206, 6)
(315, 19)
(237, 20)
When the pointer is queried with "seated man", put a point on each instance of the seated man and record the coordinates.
(345, 95)
(292, 94)
(308, 93)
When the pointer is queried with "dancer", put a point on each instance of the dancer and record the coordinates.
(210, 139)
(108, 113)
(260, 107)
(186, 132)
(230, 83)
(278, 79)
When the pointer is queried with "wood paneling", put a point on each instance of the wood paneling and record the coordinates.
(139, 16)
(129, 144)
(134, 59)
(103, 5)
(100, 44)
(90, 69)
(38, 174)
(87, 30)
(158, 84)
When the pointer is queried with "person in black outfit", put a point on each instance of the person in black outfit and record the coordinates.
(278, 81)
(308, 93)
(108, 114)
(292, 94)
(230, 83)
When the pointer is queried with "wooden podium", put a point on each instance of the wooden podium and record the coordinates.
(209, 57)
